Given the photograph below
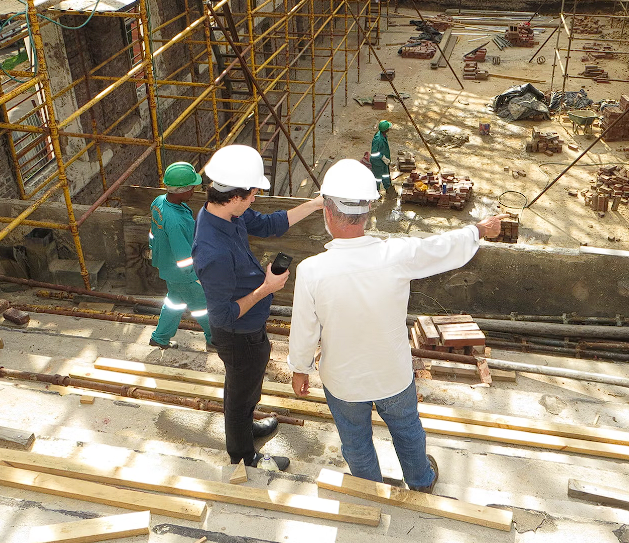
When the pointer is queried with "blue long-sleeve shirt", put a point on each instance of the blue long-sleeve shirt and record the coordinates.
(227, 268)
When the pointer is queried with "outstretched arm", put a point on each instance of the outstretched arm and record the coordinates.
(490, 227)
(302, 211)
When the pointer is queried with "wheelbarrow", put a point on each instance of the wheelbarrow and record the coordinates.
(582, 118)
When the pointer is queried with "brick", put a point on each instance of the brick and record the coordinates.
(462, 339)
(427, 330)
(16, 316)
(451, 319)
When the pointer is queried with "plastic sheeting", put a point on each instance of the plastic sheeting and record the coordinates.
(521, 102)
(571, 99)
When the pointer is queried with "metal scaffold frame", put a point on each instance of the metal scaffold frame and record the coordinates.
(271, 70)
(567, 22)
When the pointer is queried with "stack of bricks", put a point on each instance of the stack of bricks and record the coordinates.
(620, 132)
(379, 101)
(406, 162)
(611, 185)
(421, 49)
(598, 51)
(544, 142)
(586, 25)
(595, 72)
(508, 231)
(478, 55)
(443, 190)
(471, 71)
(440, 22)
(449, 334)
(521, 35)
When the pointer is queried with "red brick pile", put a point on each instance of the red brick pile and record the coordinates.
(620, 132)
(428, 189)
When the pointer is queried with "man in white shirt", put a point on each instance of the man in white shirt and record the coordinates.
(354, 298)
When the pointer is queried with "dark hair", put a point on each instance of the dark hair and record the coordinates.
(343, 217)
(217, 197)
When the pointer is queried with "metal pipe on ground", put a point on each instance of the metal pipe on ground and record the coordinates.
(561, 319)
(527, 346)
(132, 392)
(525, 368)
(549, 329)
(77, 290)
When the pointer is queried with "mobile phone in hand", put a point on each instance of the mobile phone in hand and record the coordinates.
(281, 263)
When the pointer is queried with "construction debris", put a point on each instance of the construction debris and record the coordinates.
(418, 49)
(387, 75)
(379, 101)
(508, 231)
(611, 185)
(586, 25)
(406, 161)
(521, 35)
(471, 71)
(544, 142)
(595, 72)
(11, 438)
(598, 51)
(16, 316)
(443, 190)
(620, 132)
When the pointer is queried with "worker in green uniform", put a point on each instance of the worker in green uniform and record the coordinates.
(381, 156)
(170, 240)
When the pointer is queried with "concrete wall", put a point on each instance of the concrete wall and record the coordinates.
(101, 234)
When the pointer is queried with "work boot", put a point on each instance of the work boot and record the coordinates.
(264, 427)
(282, 461)
(171, 344)
(428, 489)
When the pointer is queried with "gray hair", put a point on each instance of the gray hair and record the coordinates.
(330, 205)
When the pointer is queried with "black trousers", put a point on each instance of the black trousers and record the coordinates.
(245, 357)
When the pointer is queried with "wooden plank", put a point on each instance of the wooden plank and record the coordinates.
(443, 45)
(459, 327)
(451, 319)
(474, 423)
(310, 506)
(447, 51)
(92, 530)
(599, 494)
(416, 501)
(428, 331)
(16, 439)
(191, 376)
(239, 475)
(415, 337)
(67, 487)
(86, 400)
(577, 432)
(96, 306)
(462, 339)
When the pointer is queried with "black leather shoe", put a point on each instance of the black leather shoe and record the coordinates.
(282, 461)
(428, 489)
(264, 427)
(171, 344)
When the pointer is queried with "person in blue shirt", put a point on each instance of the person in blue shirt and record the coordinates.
(238, 290)
(170, 241)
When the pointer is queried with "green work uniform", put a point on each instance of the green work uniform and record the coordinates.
(380, 148)
(170, 240)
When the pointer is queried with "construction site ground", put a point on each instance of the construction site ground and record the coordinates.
(446, 114)
(531, 482)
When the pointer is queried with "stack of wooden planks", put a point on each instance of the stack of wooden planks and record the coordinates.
(449, 333)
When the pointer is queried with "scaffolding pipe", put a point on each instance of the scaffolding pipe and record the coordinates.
(277, 118)
(126, 391)
(548, 329)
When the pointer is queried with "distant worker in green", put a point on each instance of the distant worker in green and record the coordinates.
(170, 240)
(381, 156)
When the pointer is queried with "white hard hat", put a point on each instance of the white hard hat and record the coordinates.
(236, 166)
(350, 184)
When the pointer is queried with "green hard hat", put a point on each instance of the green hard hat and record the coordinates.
(383, 126)
(181, 174)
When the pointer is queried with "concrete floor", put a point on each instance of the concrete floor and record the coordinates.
(114, 431)
(438, 105)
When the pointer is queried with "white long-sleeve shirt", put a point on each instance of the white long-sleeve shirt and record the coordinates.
(354, 298)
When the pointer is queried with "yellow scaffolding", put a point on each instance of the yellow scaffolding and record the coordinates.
(297, 54)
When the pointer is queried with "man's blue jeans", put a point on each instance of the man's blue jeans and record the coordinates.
(399, 412)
